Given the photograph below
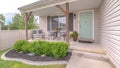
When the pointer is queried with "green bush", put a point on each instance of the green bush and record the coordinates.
(55, 49)
(31, 49)
(49, 48)
(46, 48)
(36, 48)
(18, 45)
(25, 47)
(59, 49)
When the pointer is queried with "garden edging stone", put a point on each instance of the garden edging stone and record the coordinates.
(32, 62)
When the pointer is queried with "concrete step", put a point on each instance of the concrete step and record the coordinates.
(89, 55)
(96, 50)
(88, 60)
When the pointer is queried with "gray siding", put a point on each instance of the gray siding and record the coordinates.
(110, 29)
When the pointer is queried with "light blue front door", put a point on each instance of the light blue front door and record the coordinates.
(86, 25)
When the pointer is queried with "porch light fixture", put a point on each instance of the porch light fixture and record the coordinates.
(74, 16)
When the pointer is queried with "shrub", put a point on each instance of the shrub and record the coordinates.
(36, 47)
(25, 47)
(18, 45)
(59, 49)
(55, 49)
(46, 48)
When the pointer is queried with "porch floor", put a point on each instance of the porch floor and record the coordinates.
(87, 47)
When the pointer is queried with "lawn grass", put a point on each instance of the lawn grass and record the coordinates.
(14, 64)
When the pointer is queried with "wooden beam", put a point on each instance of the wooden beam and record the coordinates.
(67, 23)
(66, 12)
(26, 25)
(27, 16)
(58, 6)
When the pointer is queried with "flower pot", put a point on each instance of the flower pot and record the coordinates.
(75, 38)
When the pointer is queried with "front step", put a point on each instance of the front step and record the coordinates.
(91, 50)
(88, 60)
(91, 55)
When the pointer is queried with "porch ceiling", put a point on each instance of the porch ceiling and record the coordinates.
(75, 5)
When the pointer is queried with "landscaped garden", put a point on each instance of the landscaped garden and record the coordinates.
(36, 51)
(54, 49)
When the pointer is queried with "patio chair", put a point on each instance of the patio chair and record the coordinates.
(51, 35)
(41, 34)
(62, 35)
(34, 34)
(38, 34)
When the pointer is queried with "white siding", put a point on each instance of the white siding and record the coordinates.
(110, 29)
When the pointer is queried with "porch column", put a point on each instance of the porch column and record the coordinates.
(67, 23)
(66, 12)
(27, 16)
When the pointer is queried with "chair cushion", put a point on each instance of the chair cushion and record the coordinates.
(40, 31)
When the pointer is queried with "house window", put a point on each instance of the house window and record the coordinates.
(62, 22)
(54, 22)
(58, 22)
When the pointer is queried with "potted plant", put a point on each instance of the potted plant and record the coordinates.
(74, 35)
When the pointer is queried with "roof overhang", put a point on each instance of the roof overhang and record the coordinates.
(48, 7)
(41, 4)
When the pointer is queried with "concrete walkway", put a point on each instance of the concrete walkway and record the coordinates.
(79, 61)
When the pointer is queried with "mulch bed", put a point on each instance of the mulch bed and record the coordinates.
(14, 54)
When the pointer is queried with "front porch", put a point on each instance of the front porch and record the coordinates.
(69, 15)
